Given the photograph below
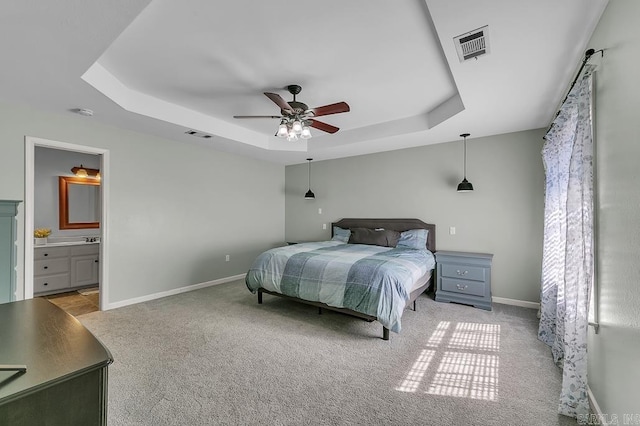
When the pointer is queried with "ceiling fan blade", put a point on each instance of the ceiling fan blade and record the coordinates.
(277, 99)
(330, 109)
(323, 126)
(257, 116)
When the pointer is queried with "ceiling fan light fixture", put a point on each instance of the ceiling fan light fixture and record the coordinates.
(283, 132)
(296, 116)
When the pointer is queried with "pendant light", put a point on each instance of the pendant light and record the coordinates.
(309, 195)
(465, 185)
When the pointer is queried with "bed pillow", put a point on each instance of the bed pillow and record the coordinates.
(414, 238)
(377, 237)
(340, 234)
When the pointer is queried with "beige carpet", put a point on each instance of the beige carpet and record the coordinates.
(214, 356)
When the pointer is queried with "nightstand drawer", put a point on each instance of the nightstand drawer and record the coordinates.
(463, 272)
(49, 283)
(51, 266)
(473, 288)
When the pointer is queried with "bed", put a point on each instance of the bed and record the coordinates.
(371, 269)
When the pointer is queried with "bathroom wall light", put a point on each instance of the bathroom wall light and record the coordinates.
(85, 172)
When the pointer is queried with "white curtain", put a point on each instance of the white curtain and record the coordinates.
(567, 261)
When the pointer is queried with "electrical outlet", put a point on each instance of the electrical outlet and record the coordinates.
(227, 258)
(320, 210)
(452, 230)
(324, 226)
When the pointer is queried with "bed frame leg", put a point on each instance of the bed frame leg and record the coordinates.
(259, 296)
(414, 306)
(319, 310)
(385, 333)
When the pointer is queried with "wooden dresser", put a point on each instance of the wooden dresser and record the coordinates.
(66, 378)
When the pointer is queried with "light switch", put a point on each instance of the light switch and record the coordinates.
(320, 211)
(452, 230)
(324, 226)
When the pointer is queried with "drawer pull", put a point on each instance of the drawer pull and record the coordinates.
(459, 272)
(461, 287)
(45, 284)
(46, 267)
(46, 254)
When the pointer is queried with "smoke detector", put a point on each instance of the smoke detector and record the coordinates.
(472, 44)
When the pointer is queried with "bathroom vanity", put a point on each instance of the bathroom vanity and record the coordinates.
(65, 266)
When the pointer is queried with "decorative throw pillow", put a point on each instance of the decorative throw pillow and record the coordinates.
(414, 238)
(378, 237)
(340, 234)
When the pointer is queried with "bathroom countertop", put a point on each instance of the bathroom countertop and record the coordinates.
(67, 243)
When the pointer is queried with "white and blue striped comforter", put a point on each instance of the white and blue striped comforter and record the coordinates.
(369, 279)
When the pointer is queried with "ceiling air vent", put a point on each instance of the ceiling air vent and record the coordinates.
(198, 134)
(472, 44)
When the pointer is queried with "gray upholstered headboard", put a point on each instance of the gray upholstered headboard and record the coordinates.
(394, 224)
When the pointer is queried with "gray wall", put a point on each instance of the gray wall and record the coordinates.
(614, 366)
(176, 209)
(49, 164)
(503, 216)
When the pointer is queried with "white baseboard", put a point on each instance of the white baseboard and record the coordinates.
(515, 302)
(595, 408)
(172, 292)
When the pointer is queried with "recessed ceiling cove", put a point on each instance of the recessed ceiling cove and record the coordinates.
(197, 63)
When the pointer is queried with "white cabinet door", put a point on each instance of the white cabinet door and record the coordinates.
(84, 270)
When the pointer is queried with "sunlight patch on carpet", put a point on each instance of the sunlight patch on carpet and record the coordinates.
(464, 362)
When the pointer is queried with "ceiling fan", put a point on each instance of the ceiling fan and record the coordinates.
(296, 117)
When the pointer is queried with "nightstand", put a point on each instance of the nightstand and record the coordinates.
(464, 278)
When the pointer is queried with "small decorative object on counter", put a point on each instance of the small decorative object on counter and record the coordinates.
(40, 235)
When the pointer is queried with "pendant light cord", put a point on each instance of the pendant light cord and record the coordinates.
(465, 135)
(465, 158)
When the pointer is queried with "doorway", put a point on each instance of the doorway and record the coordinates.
(69, 241)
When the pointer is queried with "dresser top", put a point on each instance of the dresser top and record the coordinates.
(51, 343)
(464, 254)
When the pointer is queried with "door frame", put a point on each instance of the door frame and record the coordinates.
(29, 206)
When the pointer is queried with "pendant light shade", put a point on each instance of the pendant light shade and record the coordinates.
(465, 185)
(309, 195)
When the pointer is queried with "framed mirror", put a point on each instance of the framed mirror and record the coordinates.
(79, 204)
